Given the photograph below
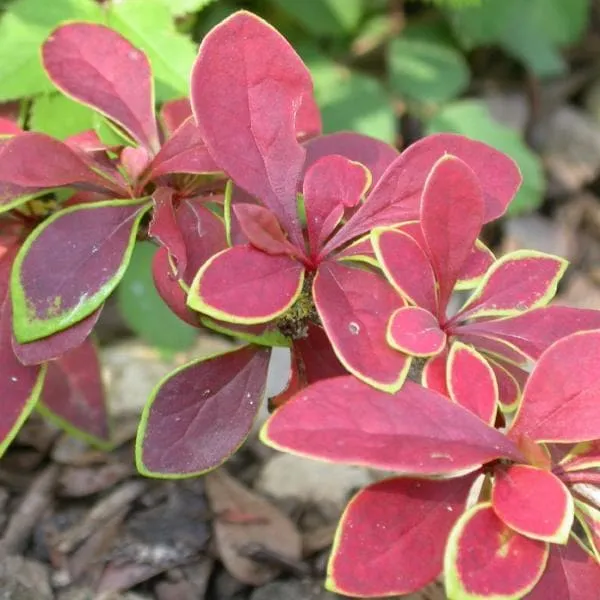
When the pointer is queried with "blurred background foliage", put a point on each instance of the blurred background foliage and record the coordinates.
(393, 69)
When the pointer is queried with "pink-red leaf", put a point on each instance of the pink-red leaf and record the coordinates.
(434, 373)
(414, 430)
(200, 414)
(415, 331)
(471, 382)
(510, 385)
(71, 264)
(246, 86)
(451, 219)
(486, 559)
(354, 306)
(73, 395)
(98, 67)
(245, 285)
(533, 502)
(173, 113)
(397, 531)
(480, 259)
(560, 400)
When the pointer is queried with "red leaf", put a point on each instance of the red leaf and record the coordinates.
(374, 154)
(434, 373)
(57, 283)
(495, 347)
(509, 387)
(201, 414)
(135, 161)
(560, 400)
(317, 355)
(583, 456)
(396, 196)
(517, 493)
(246, 86)
(451, 219)
(407, 267)
(98, 67)
(8, 127)
(515, 283)
(173, 113)
(485, 559)
(589, 518)
(164, 228)
(54, 346)
(414, 430)
(471, 382)
(415, 331)
(397, 531)
(361, 250)
(20, 385)
(354, 306)
(245, 285)
(263, 231)
(476, 265)
(571, 574)
(308, 118)
(73, 395)
(183, 152)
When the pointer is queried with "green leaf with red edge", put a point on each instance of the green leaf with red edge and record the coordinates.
(53, 289)
(201, 413)
(54, 346)
(534, 330)
(95, 65)
(383, 532)
(486, 559)
(246, 86)
(262, 229)
(183, 152)
(518, 491)
(21, 385)
(560, 400)
(406, 266)
(471, 382)
(396, 196)
(73, 396)
(173, 113)
(517, 282)
(589, 518)
(245, 285)
(415, 430)
(585, 455)
(570, 574)
(354, 306)
(330, 183)
(415, 331)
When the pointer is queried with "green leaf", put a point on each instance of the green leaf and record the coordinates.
(325, 18)
(23, 28)
(473, 119)
(350, 100)
(143, 309)
(148, 24)
(60, 116)
(184, 7)
(426, 71)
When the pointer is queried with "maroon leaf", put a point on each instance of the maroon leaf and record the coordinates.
(415, 331)
(200, 414)
(173, 113)
(396, 529)
(53, 288)
(97, 66)
(354, 306)
(485, 559)
(73, 395)
(54, 346)
(558, 406)
(317, 355)
(414, 430)
(247, 84)
(244, 285)
(451, 219)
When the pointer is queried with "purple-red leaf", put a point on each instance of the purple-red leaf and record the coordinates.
(471, 382)
(354, 306)
(70, 265)
(397, 531)
(414, 430)
(246, 86)
(560, 400)
(415, 331)
(451, 219)
(509, 386)
(73, 395)
(517, 493)
(486, 559)
(201, 414)
(99, 67)
(245, 285)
